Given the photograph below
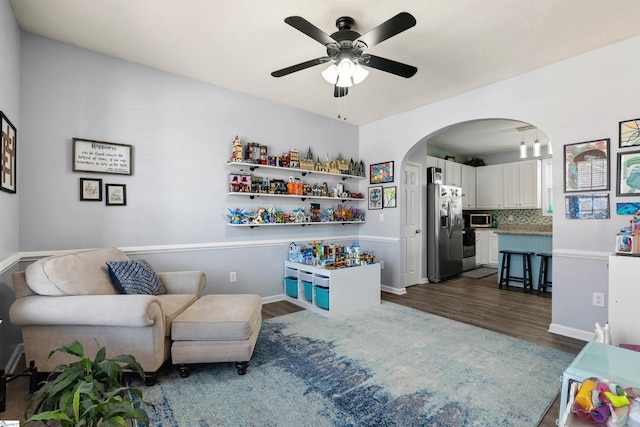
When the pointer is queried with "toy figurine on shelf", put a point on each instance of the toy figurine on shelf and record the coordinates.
(237, 150)
(236, 216)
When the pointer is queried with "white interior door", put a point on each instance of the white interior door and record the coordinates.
(412, 224)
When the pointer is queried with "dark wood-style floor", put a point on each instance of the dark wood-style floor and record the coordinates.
(477, 302)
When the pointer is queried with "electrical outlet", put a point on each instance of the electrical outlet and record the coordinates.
(232, 277)
(598, 299)
(381, 265)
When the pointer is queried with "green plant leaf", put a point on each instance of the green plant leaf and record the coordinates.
(89, 393)
(49, 415)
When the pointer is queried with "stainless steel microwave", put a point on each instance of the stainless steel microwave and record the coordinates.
(479, 220)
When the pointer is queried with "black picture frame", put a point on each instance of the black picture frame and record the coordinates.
(102, 157)
(90, 190)
(115, 194)
(375, 197)
(381, 173)
(628, 174)
(587, 166)
(390, 197)
(8, 155)
(629, 133)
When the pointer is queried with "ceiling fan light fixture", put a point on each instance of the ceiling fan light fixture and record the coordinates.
(344, 81)
(346, 67)
(359, 74)
(331, 74)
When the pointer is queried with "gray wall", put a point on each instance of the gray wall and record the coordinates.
(9, 203)
(10, 106)
(181, 131)
(579, 99)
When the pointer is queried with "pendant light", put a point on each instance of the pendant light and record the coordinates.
(549, 148)
(536, 148)
(523, 149)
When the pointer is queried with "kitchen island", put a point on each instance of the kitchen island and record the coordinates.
(525, 237)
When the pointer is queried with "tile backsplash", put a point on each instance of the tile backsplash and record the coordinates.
(521, 216)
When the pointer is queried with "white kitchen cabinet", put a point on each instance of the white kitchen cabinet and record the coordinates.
(624, 294)
(487, 247)
(453, 173)
(493, 255)
(489, 187)
(468, 175)
(522, 185)
(438, 163)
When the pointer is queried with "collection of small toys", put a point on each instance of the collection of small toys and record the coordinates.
(249, 183)
(257, 153)
(330, 256)
(628, 239)
(271, 215)
(599, 401)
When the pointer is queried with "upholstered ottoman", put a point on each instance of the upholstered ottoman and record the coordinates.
(217, 328)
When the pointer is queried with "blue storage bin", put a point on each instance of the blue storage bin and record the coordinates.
(322, 297)
(308, 290)
(291, 286)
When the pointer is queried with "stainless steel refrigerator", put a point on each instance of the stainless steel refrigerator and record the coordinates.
(444, 231)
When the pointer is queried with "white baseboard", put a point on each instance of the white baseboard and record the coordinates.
(391, 290)
(272, 298)
(566, 331)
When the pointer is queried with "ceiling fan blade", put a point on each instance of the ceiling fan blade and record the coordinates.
(339, 92)
(399, 23)
(390, 66)
(301, 66)
(301, 24)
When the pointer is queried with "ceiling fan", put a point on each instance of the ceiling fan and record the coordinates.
(346, 48)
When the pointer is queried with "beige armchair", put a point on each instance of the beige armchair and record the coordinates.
(70, 297)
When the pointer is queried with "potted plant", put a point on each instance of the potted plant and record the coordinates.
(89, 392)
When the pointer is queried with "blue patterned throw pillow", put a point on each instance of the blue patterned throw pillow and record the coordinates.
(135, 277)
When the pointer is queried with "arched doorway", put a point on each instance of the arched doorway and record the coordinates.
(493, 140)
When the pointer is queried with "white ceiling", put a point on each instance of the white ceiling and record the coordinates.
(457, 45)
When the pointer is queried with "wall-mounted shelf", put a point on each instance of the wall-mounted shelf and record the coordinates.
(303, 172)
(276, 224)
(293, 196)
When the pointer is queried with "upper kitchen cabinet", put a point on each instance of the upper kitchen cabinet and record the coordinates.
(451, 171)
(489, 188)
(522, 185)
(468, 174)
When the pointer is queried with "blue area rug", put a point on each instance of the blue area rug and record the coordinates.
(386, 366)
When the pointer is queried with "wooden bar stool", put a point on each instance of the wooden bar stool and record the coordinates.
(543, 277)
(505, 269)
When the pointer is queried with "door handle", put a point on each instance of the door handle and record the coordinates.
(418, 231)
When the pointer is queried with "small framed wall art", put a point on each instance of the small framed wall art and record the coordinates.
(375, 197)
(586, 166)
(90, 190)
(629, 133)
(102, 157)
(380, 173)
(587, 206)
(628, 173)
(389, 197)
(116, 194)
(8, 152)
